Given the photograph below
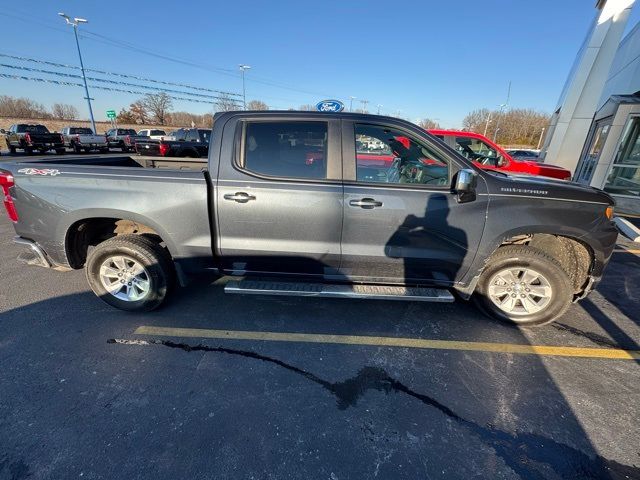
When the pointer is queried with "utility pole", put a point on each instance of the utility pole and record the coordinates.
(364, 105)
(351, 99)
(379, 105)
(74, 23)
(244, 68)
(503, 107)
(540, 139)
(398, 112)
(486, 125)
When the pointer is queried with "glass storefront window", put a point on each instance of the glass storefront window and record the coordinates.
(624, 178)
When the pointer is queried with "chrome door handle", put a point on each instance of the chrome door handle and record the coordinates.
(365, 203)
(240, 197)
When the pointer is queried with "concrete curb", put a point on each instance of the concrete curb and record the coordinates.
(628, 229)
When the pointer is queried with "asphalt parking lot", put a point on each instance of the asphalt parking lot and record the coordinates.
(257, 387)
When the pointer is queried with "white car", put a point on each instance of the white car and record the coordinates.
(152, 133)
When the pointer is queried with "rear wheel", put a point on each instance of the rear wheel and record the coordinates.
(76, 148)
(12, 149)
(524, 285)
(130, 272)
(61, 151)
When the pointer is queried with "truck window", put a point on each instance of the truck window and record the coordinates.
(286, 149)
(80, 131)
(205, 135)
(387, 155)
(477, 151)
(32, 129)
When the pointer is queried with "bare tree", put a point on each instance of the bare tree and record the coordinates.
(428, 124)
(22, 107)
(520, 126)
(158, 105)
(306, 108)
(226, 103)
(64, 111)
(257, 105)
(138, 110)
(126, 117)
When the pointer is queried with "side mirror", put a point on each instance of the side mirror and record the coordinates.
(465, 183)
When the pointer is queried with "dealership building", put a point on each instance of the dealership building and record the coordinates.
(595, 130)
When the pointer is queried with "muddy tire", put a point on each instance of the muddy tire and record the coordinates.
(130, 272)
(523, 285)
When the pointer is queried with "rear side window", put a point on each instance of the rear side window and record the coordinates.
(286, 149)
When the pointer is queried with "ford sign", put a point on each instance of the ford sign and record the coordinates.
(330, 106)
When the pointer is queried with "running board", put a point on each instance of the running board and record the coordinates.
(374, 292)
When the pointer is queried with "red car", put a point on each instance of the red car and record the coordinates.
(489, 156)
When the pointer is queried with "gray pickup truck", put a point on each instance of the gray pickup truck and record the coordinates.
(82, 139)
(287, 198)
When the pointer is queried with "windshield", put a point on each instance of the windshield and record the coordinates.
(126, 131)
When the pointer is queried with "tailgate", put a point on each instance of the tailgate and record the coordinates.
(148, 147)
(45, 138)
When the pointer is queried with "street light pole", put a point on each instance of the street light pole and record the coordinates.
(351, 99)
(74, 23)
(243, 68)
(379, 105)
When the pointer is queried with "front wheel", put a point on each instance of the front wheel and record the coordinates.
(525, 286)
(130, 272)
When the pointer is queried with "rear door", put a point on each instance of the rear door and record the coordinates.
(279, 196)
(402, 222)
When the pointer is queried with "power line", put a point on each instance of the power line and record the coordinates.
(123, 75)
(100, 87)
(95, 79)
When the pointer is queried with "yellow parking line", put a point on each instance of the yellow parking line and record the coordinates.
(622, 250)
(609, 353)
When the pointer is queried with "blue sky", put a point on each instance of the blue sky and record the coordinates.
(426, 59)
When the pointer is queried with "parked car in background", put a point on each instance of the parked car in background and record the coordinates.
(524, 154)
(123, 138)
(185, 142)
(31, 138)
(285, 195)
(82, 139)
(152, 133)
(490, 156)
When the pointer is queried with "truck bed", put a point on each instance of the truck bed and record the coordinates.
(126, 161)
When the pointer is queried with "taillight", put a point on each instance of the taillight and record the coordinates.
(127, 140)
(6, 182)
(77, 138)
(27, 138)
(164, 148)
(61, 138)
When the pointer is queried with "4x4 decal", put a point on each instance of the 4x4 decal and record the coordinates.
(39, 171)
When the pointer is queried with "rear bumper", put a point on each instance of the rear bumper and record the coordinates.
(33, 254)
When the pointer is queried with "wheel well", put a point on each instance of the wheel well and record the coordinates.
(575, 257)
(90, 232)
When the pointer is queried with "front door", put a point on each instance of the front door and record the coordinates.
(279, 203)
(402, 223)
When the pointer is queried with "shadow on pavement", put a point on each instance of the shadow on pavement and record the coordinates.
(362, 411)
